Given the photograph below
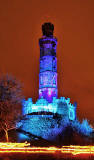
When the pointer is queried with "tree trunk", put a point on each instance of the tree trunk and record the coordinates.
(6, 135)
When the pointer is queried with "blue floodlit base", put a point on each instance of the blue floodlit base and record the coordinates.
(61, 106)
(45, 127)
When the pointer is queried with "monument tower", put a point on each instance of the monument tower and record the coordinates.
(48, 92)
(48, 63)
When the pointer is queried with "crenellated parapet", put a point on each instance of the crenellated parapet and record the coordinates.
(61, 106)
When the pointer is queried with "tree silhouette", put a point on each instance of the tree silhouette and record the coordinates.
(10, 96)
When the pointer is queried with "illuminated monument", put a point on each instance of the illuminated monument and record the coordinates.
(50, 115)
(48, 92)
(48, 63)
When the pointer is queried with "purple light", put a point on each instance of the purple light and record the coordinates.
(48, 93)
(48, 68)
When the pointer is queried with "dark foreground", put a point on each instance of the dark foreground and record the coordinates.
(38, 156)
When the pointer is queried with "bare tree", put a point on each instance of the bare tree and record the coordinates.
(10, 96)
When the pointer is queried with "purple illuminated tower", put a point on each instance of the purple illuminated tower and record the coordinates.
(48, 63)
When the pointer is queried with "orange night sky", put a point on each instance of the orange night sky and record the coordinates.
(20, 29)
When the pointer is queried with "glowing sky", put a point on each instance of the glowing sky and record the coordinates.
(20, 29)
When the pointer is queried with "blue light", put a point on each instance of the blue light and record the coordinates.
(71, 114)
(49, 91)
(48, 68)
(48, 83)
(22, 137)
(61, 106)
(83, 128)
(46, 125)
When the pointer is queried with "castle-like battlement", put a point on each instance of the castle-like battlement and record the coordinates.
(56, 106)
